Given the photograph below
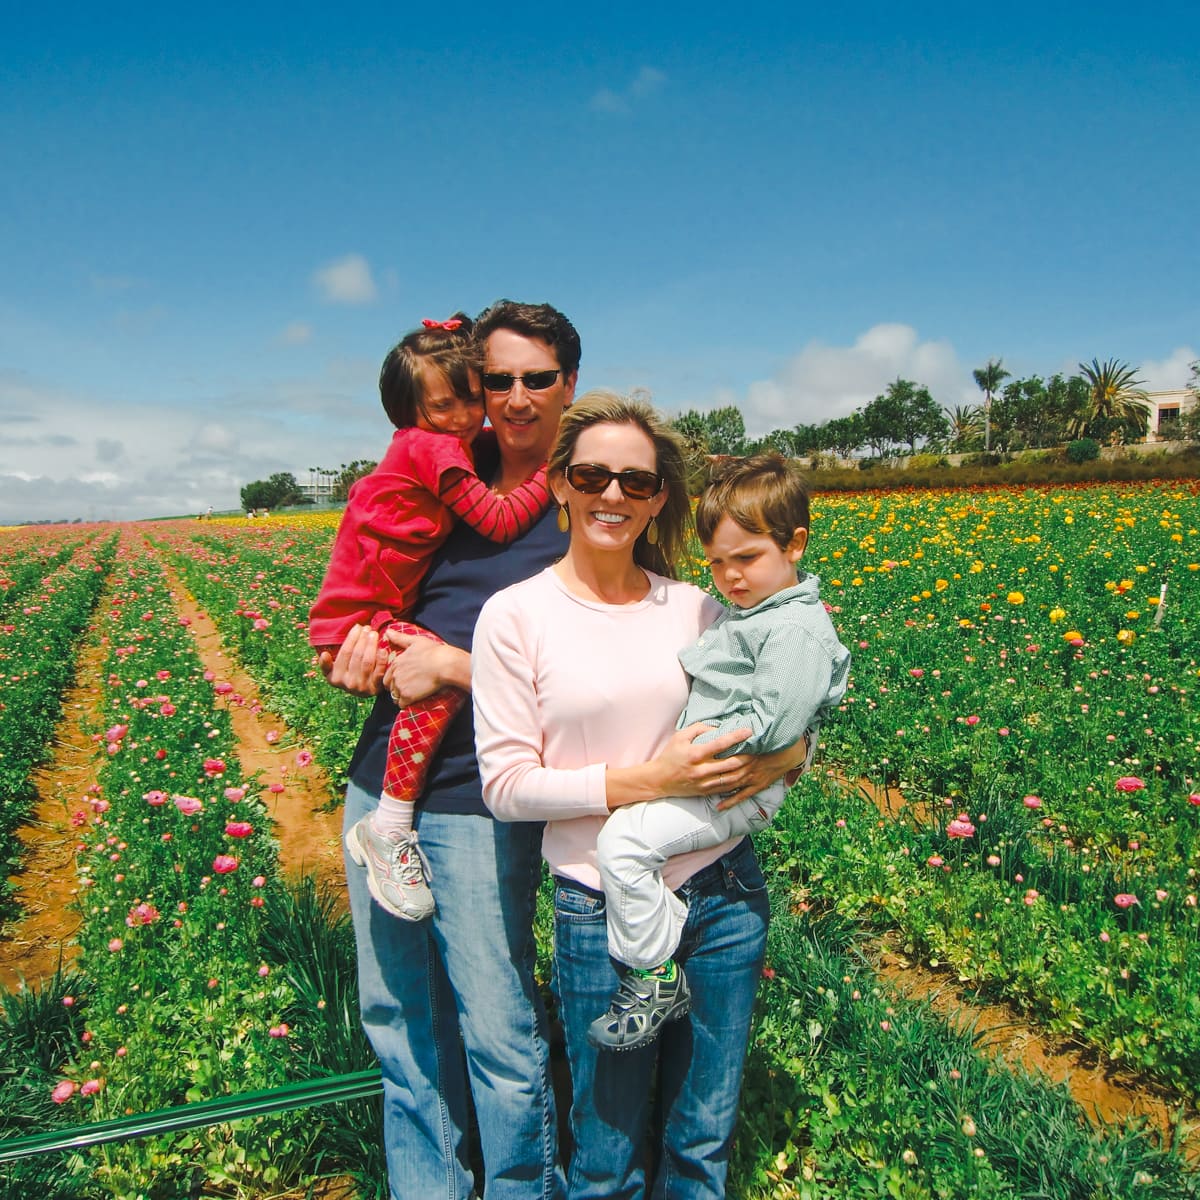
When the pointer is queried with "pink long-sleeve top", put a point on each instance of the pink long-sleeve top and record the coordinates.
(564, 687)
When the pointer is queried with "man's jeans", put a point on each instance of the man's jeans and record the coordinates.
(467, 970)
(699, 1058)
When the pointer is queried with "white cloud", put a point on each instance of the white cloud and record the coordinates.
(295, 334)
(346, 281)
(1169, 373)
(822, 382)
(135, 460)
(645, 83)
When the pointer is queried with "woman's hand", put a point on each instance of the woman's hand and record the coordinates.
(682, 768)
(359, 664)
(421, 666)
(762, 770)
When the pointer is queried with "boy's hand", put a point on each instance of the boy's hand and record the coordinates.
(359, 664)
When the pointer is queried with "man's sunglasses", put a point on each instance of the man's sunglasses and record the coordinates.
(534, 381)
(591, 479)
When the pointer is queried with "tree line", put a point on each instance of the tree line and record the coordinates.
(1104, 402)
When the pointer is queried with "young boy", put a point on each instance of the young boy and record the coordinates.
(772, 664)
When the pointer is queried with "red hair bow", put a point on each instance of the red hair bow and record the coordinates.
(449, 326)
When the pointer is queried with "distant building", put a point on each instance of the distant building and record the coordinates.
(1166, 409)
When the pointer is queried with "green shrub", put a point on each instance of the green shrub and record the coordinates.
(1083, 450)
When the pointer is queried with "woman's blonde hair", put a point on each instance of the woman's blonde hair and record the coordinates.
(610, 408)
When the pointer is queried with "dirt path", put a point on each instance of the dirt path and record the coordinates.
(309, 834)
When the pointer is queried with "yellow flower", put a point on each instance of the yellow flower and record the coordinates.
(1016, 597)
(1132, 615)
(1126, 637)
(941, 584)
(1072, 635)
(1057, 614)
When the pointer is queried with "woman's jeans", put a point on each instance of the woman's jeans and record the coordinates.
(466, 971)
(699, 1058)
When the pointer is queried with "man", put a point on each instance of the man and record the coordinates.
(467, 973)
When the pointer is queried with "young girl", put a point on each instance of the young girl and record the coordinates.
(395, 519)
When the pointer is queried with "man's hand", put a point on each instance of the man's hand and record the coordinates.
(359, 665)
(422, 666)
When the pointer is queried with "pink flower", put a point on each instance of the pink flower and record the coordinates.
(234, 794)
(63, 1091)
(261, 624)
(239, 829)
(115, 944)
(141, 914)
(1104, 937)
(993, 860)
(214, 767)
(188, 805)
(155, 797)
(259, 880)
(264, 971)
(1125, 900)
(91, 1087)
(272, 736)
(1032, 802)
(960, 827)
(167, 710)
(162, 676)
(68, 1001)
(1129, 783)
(304, 758)
(934, 860)
(279, 1031)
(972, 720)
(223, 864)
(275, 787)
(1194, 799)
(222, 688)
(1031, 896)
(116, 733)
(917, 672)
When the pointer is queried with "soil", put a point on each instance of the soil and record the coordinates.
(308, 829)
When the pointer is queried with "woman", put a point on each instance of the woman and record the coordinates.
(577, 689)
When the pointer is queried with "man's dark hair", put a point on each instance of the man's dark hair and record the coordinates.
(541, 321)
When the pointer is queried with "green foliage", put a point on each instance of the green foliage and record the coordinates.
(279, 490)
(1083, 450)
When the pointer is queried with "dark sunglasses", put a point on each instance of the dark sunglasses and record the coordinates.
(534, 381)
(591, 479)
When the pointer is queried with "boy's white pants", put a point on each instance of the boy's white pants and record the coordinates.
(645, 918)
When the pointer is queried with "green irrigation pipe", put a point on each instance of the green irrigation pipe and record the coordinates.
(361, 1085)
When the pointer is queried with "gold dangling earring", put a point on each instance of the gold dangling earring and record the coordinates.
(652, 532)
(564, 520)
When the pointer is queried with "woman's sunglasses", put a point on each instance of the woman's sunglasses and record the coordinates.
(534, 381)
(591, 479)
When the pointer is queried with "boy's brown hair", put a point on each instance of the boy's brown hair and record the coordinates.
(763, 494)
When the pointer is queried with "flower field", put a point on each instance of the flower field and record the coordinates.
(1011, 791)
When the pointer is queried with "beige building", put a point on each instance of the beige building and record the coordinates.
(1165, 410)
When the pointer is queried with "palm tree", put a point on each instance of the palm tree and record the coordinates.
(966, 423)
(989, 379)
(1113, 394)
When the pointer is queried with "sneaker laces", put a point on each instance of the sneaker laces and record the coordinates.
(403, 868)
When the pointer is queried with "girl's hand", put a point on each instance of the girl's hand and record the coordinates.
(359, 665)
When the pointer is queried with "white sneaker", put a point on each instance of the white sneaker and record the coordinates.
(396, 870)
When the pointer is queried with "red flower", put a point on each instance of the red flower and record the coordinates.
(214, 767)
(1129, 783)
(239, 829)
(224, 864)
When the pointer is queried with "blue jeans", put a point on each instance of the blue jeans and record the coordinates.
(467, 972)
(699, 1058)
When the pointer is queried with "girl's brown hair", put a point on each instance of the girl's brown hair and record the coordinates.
(451, 350)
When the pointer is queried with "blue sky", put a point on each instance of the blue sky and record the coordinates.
(214, 222)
